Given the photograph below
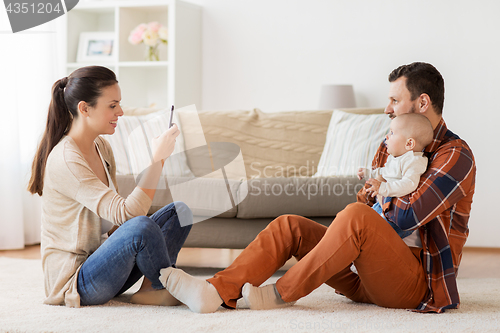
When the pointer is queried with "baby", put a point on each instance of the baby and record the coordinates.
(408, 136)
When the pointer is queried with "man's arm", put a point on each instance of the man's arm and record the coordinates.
(448, 179)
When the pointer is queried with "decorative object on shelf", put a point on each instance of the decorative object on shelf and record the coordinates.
(142, 82)
(334, 96)
(152, 35)
(96, 46)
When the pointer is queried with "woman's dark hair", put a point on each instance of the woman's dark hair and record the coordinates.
(84, 84)
(422, 78)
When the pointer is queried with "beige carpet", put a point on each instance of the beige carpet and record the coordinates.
(21, 310)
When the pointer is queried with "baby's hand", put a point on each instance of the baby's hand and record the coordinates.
(361, 173)
(375, 186)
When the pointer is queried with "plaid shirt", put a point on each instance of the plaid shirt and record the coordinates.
(439, 208)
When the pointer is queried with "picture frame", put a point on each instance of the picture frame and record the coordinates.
(96, 46)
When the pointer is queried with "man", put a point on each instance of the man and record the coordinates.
(418, 272)
(440, 207)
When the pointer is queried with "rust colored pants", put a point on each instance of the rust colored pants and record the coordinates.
(390, 273)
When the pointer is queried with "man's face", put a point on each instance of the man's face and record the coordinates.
(400, 99)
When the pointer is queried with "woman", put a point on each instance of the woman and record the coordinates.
(74, 173)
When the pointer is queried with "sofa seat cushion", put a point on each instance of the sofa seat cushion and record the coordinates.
(320, 196)
(205, 197)
(232, 233)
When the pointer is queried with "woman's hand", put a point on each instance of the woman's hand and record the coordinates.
(163, 145)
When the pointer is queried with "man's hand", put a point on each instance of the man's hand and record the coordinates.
(375, 186)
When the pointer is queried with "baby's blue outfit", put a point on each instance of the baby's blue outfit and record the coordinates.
(400, 231)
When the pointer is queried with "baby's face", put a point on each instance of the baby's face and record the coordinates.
(396, 139)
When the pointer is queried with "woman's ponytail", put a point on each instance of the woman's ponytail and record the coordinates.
(84, 84)
(58, 122)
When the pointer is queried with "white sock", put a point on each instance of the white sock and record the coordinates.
(199, 295)
(262, 298)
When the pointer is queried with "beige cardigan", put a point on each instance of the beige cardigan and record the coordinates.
(73, 201)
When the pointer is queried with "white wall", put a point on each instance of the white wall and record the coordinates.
(275, 55)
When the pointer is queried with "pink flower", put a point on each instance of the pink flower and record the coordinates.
(136, 35)
(154, 26)
(150, 34)
(135, 38)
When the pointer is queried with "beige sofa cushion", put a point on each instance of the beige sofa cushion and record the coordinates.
(282, 144)
(279, 144)
(351, 142)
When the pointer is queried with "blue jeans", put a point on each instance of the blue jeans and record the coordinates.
(141, 246)
(394, 226)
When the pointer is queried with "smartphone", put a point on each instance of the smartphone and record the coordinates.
(170, 122)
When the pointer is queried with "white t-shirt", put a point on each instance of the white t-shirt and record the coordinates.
(402, 174)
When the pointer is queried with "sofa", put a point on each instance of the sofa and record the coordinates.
(284, 171)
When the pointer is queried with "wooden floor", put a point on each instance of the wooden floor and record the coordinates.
(476, 262)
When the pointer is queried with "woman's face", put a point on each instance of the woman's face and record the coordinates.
(103, 117)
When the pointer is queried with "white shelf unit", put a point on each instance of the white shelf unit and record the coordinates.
(175, 79)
